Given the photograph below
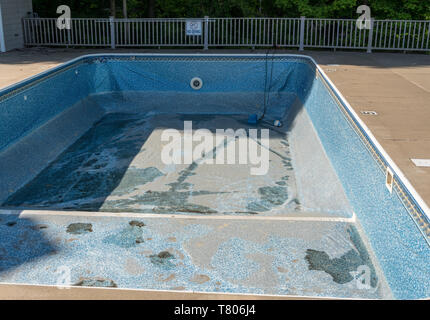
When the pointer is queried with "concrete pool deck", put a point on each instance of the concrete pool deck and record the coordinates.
(362, 95)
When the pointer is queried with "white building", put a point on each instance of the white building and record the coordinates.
(11, 33)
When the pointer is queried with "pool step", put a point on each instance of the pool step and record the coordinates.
(300, 258)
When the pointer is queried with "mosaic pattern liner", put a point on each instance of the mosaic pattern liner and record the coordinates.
(10, 92)
(100, 84)
(407, 199)
(417, 214)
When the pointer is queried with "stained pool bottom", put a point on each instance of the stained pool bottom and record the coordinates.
(290, 235)
(117, 166)
(297, 258)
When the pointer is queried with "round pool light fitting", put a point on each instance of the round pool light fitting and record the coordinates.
(196, 83)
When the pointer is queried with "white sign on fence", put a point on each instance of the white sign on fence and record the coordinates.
(193, 28)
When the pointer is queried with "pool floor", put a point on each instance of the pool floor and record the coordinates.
(117, 166)
(195, 227)
(238, 255)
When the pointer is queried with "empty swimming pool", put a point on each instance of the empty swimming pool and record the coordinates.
(209, 173)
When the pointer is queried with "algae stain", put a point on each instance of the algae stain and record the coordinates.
(79, 228)
(128, 237)
(338, 268)
(135, 223)
(163, 259)
(135, 177)
(176, 199)
(180, 183)
(93, 166)
(341, 269)
(270, 197)
(96, 282)
(274, 195)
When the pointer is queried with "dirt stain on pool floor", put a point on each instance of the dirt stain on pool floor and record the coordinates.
(79, 228)
(270, 197)
(130, 236)
(99, 172)
(96, 282)
(163, 259)
(342, 269)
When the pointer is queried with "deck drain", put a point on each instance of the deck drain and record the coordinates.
(421, 162)
(369, 112)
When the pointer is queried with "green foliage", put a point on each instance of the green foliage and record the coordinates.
(400, 9)
(79, 8)
(212, 8)
(381, 9)
(318, 8)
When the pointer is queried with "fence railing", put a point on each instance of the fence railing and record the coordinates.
(301, 32)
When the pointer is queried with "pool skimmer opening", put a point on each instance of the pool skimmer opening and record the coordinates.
(389, 179)
(196, 83)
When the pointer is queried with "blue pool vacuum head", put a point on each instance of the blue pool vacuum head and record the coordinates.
(252, 119)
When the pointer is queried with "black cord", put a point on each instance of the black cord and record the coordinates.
(265, 86)
(266, 93)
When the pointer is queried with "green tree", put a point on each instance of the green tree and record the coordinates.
(381, 9)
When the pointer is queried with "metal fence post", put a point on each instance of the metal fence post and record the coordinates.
(233, 32)
(370, 38)
(302, 33)
(112, 32)
(69, 34)
(24, 32)
(68, 38)
(205, 47)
